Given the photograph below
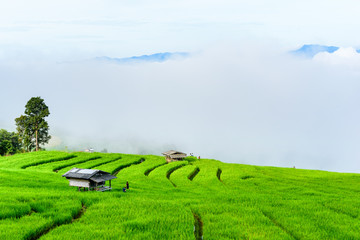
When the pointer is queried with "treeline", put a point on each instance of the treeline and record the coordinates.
(32, 130)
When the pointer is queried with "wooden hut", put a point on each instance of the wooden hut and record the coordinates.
(91, 179)
(173, 155)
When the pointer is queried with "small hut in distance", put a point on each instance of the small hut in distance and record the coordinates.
(89, 178)
(173, 155)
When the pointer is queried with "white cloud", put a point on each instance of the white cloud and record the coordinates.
(241, 103)
(237, 104)
(347, 57)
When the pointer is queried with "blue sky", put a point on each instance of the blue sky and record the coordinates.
(240, 96)
(127, 28)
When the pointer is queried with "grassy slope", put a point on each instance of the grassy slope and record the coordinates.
(233, 201)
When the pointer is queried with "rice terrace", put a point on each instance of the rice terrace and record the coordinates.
(188, 199)
(179, 120)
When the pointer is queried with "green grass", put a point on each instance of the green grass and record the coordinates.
(166, 201)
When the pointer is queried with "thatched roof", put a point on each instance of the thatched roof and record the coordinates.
(89, 174)
(174, 154)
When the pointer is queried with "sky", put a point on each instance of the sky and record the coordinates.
(240, 97)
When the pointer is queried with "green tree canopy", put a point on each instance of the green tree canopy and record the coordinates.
(9, 142)
(32, 127)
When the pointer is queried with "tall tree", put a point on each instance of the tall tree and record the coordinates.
(32, 127)
(25, 132)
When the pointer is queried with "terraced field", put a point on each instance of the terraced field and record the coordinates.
(192, 199)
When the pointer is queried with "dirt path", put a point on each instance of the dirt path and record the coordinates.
(118, 169)
(218, 174)
(198, 226)
(273, 220)
(194, 173)
(173, 170)
(51, 227)
(147, 172)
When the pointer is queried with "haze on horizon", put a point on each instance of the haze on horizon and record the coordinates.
(240, 97)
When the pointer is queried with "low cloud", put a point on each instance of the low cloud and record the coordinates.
(236, 104)
(348, 57)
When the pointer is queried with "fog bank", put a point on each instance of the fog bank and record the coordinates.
(252, 104)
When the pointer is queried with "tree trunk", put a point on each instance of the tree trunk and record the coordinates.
(36, 139)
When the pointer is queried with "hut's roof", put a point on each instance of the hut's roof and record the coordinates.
(89, 174)
(174, 154)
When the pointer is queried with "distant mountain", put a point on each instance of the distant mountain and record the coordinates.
(311, 50)
(157, 57)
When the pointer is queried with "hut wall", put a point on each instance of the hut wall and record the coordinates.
(94, 184)
(169, 159)
(79, 182)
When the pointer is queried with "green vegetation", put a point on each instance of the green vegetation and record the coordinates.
(32, 127)
(32, 130)
(9, 143)
(189, 199)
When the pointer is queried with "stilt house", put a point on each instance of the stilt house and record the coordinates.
(173, 155)
(91, 179)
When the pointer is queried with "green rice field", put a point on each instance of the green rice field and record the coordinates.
(190, 199)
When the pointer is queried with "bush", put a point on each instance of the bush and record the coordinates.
(9, 143)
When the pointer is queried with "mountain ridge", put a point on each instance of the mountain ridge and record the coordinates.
(156, 57)
(310, 50)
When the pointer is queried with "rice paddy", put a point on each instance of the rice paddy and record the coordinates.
(190, 199)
